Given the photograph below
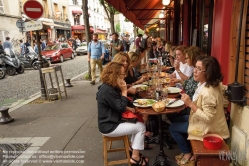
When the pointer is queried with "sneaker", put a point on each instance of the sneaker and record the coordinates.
(92, 82)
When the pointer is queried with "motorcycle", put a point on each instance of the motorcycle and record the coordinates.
(12, 63)
(30, 59)
(2, 66)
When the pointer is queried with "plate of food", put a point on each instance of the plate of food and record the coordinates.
(172, 103)
(174, 90)
(140, 87)
(144, 102)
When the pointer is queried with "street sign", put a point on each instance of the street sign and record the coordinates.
(20, 24)
(33, 25)
(33, 9)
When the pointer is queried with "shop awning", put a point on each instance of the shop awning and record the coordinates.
(81, 27)
(52, 24)
(77, 12)
(140, 12)
(100, 31)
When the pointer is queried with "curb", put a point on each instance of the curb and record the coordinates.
(38, 94)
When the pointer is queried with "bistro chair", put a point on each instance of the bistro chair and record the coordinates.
(108, 149)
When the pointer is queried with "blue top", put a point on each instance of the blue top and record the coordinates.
(96, 50)
(7, 44)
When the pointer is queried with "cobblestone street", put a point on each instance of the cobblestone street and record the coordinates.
(18, 88)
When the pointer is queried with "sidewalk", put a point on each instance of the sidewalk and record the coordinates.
(66, 128)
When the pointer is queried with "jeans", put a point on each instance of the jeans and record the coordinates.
(93, 67)
(179, 131)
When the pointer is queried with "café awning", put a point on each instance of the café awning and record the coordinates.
(100, 31)
(77, 12)
(81, 27)
(140, 12)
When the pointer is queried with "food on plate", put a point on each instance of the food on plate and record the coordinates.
(141, 88)
(145, 102)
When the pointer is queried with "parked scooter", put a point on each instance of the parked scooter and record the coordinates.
(13, 64)
(2, 65)
(30, 59)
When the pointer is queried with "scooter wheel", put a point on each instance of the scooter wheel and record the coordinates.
(20, 70)
(10, 70)
(35, 65)
(2, 73)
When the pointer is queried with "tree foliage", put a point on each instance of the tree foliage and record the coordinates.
(118, 27)
(110, 12)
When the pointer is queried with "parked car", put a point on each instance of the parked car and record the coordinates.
(82, 49)
(58, 52)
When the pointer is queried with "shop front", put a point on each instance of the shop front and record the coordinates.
(78, 31)
(62, 31)
(102, 35)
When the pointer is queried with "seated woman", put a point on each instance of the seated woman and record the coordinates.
(189, 86)
(112, 102)
(206, 109)
(182, 70)
(132, 78)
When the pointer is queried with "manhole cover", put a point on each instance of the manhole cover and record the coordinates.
(9, 152)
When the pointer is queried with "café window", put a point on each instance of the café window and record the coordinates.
(205, 25)
(76, 19)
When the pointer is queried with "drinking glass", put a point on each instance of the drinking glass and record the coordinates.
(164, 94)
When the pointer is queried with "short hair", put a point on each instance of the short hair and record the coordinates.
(119, 56)
(115, 33)
(213, 73)
(181, 48)
(94, 34)
(7, 38)
(111, 74)
(139, 35)
(193, 53)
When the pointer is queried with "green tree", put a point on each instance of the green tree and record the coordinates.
(110, 12)
(118, 27)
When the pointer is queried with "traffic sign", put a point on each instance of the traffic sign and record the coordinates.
(33, 25)
(33, 9)
(20, 24)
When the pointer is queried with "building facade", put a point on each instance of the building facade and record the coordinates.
(10, 12)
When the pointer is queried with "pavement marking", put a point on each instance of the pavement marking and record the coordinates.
(36, 144)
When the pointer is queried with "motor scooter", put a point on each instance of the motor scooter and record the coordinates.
(30, 59)
(2, 66)
(12, 63)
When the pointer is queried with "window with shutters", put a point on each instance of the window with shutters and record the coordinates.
(1, 7)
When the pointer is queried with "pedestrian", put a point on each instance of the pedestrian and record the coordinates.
(26, 46)
(1, 47)
(7, 43)
(115, 44)
(124, 43)
(96, 52)
(22, 48)
(138, 41)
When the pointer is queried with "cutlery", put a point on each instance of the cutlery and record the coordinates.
(172, 102)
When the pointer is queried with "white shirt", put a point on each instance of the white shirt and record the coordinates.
(198, 90)
(185, 69)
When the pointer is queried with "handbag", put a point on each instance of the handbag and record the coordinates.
(128, 116)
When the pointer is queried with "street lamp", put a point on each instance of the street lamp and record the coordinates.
(161, 15)
(165, 2)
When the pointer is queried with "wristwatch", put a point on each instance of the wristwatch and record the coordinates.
(178, 71)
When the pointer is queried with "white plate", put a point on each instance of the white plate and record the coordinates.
(174, 90)
(139, 85)
(147, 105)
(178, 103)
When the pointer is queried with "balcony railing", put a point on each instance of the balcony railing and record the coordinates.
(57, 17)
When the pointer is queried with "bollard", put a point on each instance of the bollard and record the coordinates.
(6, 118)
(68, 83)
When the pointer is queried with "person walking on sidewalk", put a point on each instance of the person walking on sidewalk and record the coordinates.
(95, 52)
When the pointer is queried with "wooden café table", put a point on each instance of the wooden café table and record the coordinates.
(161, 158)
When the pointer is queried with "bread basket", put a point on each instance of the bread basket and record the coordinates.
(159, 106)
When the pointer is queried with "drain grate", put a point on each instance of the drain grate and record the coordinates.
(9, 152)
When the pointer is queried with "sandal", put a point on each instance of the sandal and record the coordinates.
(141, 162)
(147, 147)
(179, 157)
(184, 161)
